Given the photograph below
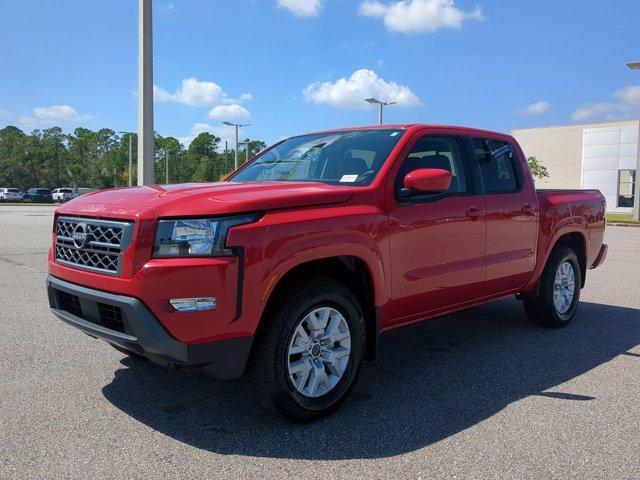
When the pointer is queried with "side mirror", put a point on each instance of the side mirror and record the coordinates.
(426, 180)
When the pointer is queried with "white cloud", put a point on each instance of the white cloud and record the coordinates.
(351, 92)
(192, 92)
(60, 113)
(301, 8)
(629, 95)
(44, 116)
(418, 16)
(537, 108)
(198, 93)
(5, 114)
(626, 106)
(229, 112)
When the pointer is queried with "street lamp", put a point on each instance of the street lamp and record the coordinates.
(229, 124)
(636, 196)
(381, 104)
(130, 156)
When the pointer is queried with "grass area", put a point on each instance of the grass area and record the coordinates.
(621, 218)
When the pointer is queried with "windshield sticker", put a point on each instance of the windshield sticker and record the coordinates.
(348, 178)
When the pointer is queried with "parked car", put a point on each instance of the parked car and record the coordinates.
(10, 194)
(42, 195)
(288, 272)
(61, 195)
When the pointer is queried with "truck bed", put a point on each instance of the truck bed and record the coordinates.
(563, 209)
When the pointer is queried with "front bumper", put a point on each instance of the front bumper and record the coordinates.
(128, 323)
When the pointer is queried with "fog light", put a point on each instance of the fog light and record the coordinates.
(199, 304)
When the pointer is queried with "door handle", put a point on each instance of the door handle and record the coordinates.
(528, 210)
(473, 213)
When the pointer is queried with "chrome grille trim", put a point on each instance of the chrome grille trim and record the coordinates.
(100, 252)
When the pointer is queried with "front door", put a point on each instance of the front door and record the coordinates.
(437, 241)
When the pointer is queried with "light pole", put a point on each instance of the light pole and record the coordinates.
(381, 104)
(247, 144)
(146, 138)
(229, 124)
(226, 148)
(166, 167)
(130, 156)
(636, 195)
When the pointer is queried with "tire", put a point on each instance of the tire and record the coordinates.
(270, 379)
(546, 311)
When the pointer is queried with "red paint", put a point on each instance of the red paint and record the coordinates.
(424, 259)
(428, 180)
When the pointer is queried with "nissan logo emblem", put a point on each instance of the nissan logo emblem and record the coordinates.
(80, 235)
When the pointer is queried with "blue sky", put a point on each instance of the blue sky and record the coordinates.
(289, 66)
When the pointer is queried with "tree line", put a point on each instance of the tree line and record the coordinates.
(100, 159)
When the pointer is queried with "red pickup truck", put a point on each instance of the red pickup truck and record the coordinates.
(287, 273)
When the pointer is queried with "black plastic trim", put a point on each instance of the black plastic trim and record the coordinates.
(240, 282)
(221, 360)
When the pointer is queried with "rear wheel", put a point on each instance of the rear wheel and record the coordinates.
(309, 356)
(559, 291)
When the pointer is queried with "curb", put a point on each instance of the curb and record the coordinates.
(636, 225)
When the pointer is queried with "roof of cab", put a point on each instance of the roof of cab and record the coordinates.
(414, 126)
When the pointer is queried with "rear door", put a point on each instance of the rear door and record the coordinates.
(511, 212)
(437, 241)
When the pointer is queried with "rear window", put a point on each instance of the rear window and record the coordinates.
(12, 190)
(65, 190)
(43, 191)
(498, 165)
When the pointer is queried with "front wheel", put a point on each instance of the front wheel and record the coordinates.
(309, 355)
(559, 291)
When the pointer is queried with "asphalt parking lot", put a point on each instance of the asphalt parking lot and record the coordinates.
(481, 394)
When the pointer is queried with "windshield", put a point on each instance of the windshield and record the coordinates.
(352, 158)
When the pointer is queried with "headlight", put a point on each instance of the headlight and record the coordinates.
(196, 237)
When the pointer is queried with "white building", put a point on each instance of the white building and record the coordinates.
(600, 155)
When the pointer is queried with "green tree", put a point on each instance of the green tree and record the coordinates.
(55, 154)
(171, 148)
(81, 154)
(205, 162)
(100, 159)
(538, 170)
(13, 171)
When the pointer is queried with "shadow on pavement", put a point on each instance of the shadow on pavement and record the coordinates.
(430, 381)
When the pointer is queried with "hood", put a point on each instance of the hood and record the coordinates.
(206, 199)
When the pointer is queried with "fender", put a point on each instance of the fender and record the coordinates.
(359, 232)
(548, 238)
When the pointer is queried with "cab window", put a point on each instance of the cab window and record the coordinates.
(498, 165)
(441, 152)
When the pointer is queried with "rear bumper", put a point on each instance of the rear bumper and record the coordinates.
(602, 255)
(127, 322)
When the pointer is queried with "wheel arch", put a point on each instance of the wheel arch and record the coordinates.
(568, 236)
(351, 271)
(578, 243)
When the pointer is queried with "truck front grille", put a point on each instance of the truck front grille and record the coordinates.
(90, 244)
